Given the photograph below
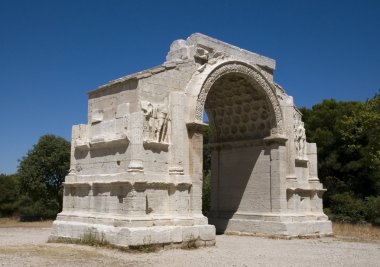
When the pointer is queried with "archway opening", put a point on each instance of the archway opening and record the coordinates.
(236, 161)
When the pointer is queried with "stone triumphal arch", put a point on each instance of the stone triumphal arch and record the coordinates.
(136, 166)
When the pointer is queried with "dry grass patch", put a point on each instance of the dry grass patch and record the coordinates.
(59, 252)
(14, 222)
(359, 231)
(63, 255)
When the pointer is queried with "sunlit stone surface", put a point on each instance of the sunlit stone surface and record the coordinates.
(136, 166)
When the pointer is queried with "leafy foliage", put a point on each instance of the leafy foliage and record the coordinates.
(41, 173)
(207, 151)
(373, 209)
(8, 194)
(206, 193)
(347, 208)
(348, 140)
(206, 186)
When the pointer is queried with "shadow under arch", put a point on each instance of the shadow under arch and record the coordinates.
(241, 114)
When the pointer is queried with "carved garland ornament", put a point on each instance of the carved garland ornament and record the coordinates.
(251, 73)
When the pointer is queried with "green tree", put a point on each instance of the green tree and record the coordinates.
(8, 194)
(348, 140)
(41, 173)
(321, 123)
(360, 134)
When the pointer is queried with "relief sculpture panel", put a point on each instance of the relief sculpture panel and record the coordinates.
(156, 122)
(299, 136)
(300, 140)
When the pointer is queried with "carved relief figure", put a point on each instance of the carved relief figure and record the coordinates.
(147, 109)
(300, 140)
(156, 122)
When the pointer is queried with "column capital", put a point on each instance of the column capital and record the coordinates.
(197, 127)
(276, 139)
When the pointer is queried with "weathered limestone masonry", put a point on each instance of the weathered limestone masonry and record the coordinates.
(136, 166)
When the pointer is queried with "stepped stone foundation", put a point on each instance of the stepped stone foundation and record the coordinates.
(136, 166)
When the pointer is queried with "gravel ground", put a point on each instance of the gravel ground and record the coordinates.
(28, 247)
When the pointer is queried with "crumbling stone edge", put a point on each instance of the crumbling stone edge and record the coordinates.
(148, 248)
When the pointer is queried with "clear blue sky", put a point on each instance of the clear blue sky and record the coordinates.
(53, 52)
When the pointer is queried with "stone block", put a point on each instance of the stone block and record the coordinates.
(176, 234)
(140, 236)
(190, 233)
(207, 232)
(161, 234)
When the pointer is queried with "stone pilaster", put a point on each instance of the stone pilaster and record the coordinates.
(136, 128)
(288, 111)
(74, 137)
(278, 170)
(312, 156)
(177, 133)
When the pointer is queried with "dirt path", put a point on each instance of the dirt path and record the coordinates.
(28, 247)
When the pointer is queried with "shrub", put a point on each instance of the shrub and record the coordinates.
(206, 193)
(346, 207)
(373, 210)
